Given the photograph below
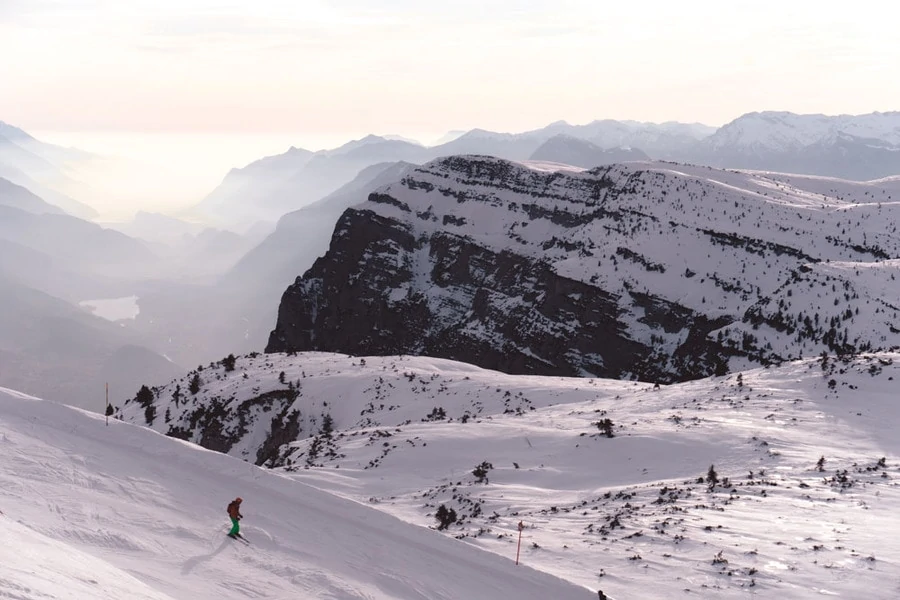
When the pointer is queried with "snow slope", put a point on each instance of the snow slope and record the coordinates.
(633, 514)
(149, 507)
(36, 566)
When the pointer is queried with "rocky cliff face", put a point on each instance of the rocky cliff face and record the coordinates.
(652, 271)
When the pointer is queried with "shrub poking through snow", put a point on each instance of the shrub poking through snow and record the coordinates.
(445, 517)
(480, 472)
(606, 427)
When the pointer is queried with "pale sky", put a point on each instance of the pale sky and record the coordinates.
(173, 93)
(324, 67)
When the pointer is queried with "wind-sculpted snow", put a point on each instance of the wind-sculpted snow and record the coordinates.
(656, 271)
(88, 509)
(610, 478)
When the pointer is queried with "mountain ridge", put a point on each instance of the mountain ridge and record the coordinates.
(860, 147)
(584, 272)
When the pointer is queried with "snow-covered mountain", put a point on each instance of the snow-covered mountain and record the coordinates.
(121, 513)
(568, 150)
(779, 482)
(857, 147)
(654, 271)
(661, 140)
(783, 131)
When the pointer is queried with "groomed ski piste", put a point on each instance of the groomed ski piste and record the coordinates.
(120, 512)
(634, 514)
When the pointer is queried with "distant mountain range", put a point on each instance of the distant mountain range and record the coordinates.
(275, 185)
(851, 147)
(859, 147)
(41, 168)
(568, 150)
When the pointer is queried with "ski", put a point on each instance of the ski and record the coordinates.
(239, 537)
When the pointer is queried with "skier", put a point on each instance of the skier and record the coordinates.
(234, 511)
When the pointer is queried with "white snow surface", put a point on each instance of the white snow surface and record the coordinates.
(119, 512)
(625, 514)
(783, 131)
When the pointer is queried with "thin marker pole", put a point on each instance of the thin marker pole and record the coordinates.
(519, 547)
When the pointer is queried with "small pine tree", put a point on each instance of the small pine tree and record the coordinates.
(606, 427)
(281, 377)
(481, 471)
(712, 478)
(228, 362)
(144, 397)
(176, 395)
(109, 410)
(820, 464)
(327, 425)
(194, 385)
(445, 516)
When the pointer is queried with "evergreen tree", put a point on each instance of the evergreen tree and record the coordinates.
(327, 425)
(445, 516)
(195, 384)
(712, 478)
(606, 427)
(144, 397)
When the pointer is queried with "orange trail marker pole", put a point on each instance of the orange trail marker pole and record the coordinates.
(519, 547)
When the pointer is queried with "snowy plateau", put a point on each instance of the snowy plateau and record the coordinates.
(802, 504)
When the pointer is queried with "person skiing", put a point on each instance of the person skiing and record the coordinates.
(234, 511)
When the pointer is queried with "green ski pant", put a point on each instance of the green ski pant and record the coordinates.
(235, 528)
